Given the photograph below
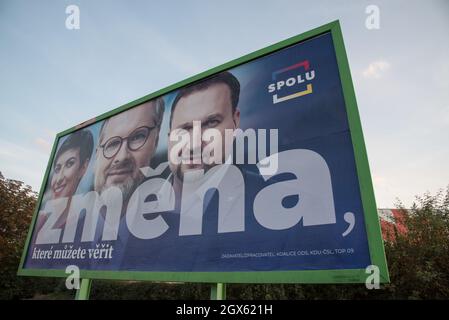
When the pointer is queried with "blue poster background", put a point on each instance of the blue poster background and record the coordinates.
(317, 122)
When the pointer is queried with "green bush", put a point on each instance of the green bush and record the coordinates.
(17, 202)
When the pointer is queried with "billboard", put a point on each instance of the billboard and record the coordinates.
(254, 171)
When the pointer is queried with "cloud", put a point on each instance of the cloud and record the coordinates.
(43, 145)
(444, 116)
(12, 150)
(22, 162)
(376, 69)
(45, 140)
(380, 180)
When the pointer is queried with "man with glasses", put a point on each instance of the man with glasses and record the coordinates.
(127, 143)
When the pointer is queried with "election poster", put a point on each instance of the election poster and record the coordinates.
(254, 171)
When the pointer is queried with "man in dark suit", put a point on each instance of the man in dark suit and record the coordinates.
(213, 196)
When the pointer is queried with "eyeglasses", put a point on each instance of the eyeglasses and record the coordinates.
(135, 141)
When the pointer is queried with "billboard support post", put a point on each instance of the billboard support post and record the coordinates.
(218, 291)
(84, 291)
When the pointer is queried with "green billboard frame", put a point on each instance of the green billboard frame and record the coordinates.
(374, 235)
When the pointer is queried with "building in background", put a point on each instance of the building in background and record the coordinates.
(392, 222)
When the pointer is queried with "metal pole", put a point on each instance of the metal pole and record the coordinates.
(84, 291)
(218, 291)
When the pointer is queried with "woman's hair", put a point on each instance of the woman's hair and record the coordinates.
(81, 140)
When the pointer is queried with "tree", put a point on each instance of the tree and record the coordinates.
(17, 202)
(419, 259)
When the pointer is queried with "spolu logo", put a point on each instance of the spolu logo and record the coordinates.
(300, 82)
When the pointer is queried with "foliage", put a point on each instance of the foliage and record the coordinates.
(17, 202)
(419, 259)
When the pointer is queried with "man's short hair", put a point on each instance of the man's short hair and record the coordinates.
(224, 77)
(157, 104)
(81, 140)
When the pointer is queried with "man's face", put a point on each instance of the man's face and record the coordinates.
(119, 165)
(213, 108)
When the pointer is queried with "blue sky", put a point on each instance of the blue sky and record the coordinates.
(52, 78)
